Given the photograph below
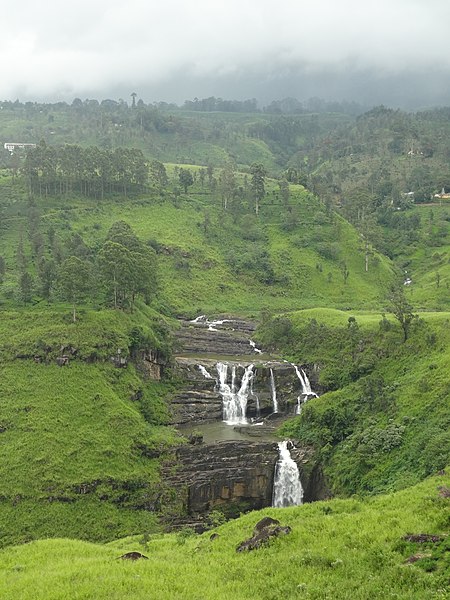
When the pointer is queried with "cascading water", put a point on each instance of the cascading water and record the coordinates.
(274, 391)
(252, 393)
(306, 388)
(204, 372)
(253, 345)
(212, 325)
(234, 400)
(287, 487)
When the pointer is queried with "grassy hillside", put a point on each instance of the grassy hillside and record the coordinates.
(337, 550)
(385, 424)
(81, 444)
(209, 260)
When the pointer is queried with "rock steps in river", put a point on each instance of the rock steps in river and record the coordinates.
(229, 339)
(196, 406)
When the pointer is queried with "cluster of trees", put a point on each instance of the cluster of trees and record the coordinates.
(120, 270)
(89, 171)
(213, 104)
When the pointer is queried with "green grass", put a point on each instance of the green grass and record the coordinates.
(215, 261)
(385, 424)
(80, 443)
(337, 550)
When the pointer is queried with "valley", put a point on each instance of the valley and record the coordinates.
(210, 318)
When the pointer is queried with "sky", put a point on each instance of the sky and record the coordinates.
(392, 52)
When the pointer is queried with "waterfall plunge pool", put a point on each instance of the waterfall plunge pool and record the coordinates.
(219, 431)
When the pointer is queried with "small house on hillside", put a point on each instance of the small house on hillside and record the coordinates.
(443, 195)
(11, 146)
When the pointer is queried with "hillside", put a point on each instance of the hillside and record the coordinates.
(384, 422)
(291, 256)
(338, 549)
(296, 231)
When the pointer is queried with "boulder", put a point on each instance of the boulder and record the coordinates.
(264, 531)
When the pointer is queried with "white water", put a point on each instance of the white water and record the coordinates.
(204, 372)
(274, 391)
(252, 393)
(253, 345)
(234, 400)
(212, 325)
(306, 388)
(199, 319)
(287, 487)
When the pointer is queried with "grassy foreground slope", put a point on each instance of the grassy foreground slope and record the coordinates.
(337, 550)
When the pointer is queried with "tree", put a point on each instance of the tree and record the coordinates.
(127, 272)
(186, 179)
(47, 275)
(158, 174)
(283, 184)
(227, 184)
(2, 268)
(26, 287)
(258, 183)
(345, 272)
(401, 309)
(74, 281)
(115, 262)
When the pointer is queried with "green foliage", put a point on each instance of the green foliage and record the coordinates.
(336, 549)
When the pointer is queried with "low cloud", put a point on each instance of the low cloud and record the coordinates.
(98, 48)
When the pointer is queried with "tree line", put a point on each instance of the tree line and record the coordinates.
(92, 172)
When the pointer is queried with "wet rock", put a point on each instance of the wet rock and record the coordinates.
(227, 474)
(235, 476)
(191, 406)
(264, 523)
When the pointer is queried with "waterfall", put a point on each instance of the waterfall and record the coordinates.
(199, 319)
(253, 345)
(252, 393)
(287, 487)
(203, 320)
(234, 400)
(204, 372)
(306, 388)
(274, 391)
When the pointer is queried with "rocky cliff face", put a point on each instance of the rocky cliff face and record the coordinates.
(202, 345)
(233, 476)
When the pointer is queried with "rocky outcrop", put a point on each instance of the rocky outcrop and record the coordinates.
(198, 401)
(192, 406)
(227, 337)
(264, 531)
(225, 475)
(233, 476)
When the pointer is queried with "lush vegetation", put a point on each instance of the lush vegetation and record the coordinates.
(330, 228)
(337, 549)
(384, 424)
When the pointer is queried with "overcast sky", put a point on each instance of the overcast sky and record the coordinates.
(372, 51)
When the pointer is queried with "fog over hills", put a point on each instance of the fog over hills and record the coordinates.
(391, 52)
